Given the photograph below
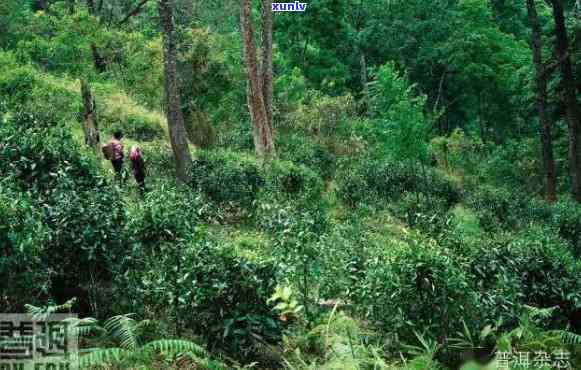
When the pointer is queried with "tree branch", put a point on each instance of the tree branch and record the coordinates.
(134, 12)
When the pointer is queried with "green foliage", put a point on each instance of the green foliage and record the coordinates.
(167, 215)
(26, 89)
(300, 150)
(38, 154)
(534, 335)
(22, 234)
(227, 178)
(87, 239)
(412, 201)
(533, 267)
(58, 41)
(131, 352)
(389, 180)
(135, 122)
(566, 216)
(416, 287)
(209, 290)
(428, 214)
(496, 207)
(285, 304)
(294, 181)
(401, 128)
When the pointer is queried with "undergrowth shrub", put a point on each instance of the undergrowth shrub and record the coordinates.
(497, 208)
(207, 290)
(367, 178)
(300, 150)
(87, 240)
(159, 159)
(294, 181)
(166, 215)
(532, 267)
(38, 153)
(227, 178)
(22, 236)
(566, 218)
(24, 86)
(120, 112)
(228, 296)
(415, 288)
(428, 214)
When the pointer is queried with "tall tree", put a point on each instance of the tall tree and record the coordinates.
(266, 67)
(175, 118)
(570, 98)
(263, 133)
(541, 97)
(90, 125)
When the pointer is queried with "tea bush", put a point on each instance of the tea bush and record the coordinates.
(22, 236)
(158, 157)
(121, 112)
(428, 214)
(26, 88)
(38, 153)
(87, 239)
(496, 207)
(416, 287)
(227, 296)
(389, 180)
(566, 217)
(208, 290)
(166, 215)
(227, 178)
(299, 150)
(294, 181)
(533, 267)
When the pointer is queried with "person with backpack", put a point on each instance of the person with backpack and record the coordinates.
(138, 168)
(113, 151)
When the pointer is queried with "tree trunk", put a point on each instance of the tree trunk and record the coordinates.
(266, 68)
(41, 5)
(541, 97)
(263, 136)
(98, 60)
(572, 110)
(90, 125)
(175, 119)
(71, 5)
(91, 6)
(363, 78)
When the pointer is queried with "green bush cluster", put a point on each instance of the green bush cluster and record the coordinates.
(416, 287)
(38, 153)
(367, 178)
(227, 178)
(316, 156)
(22, 235)
(232, 179)
(119, 112)
(228, 299)
(294, 181)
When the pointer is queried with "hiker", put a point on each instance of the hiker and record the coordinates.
(138, 168)
(113, 151)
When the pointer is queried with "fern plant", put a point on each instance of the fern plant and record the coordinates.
(132, 354)
(123, 330)
(530, 336)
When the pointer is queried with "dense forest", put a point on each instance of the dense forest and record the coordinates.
(379, 184)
